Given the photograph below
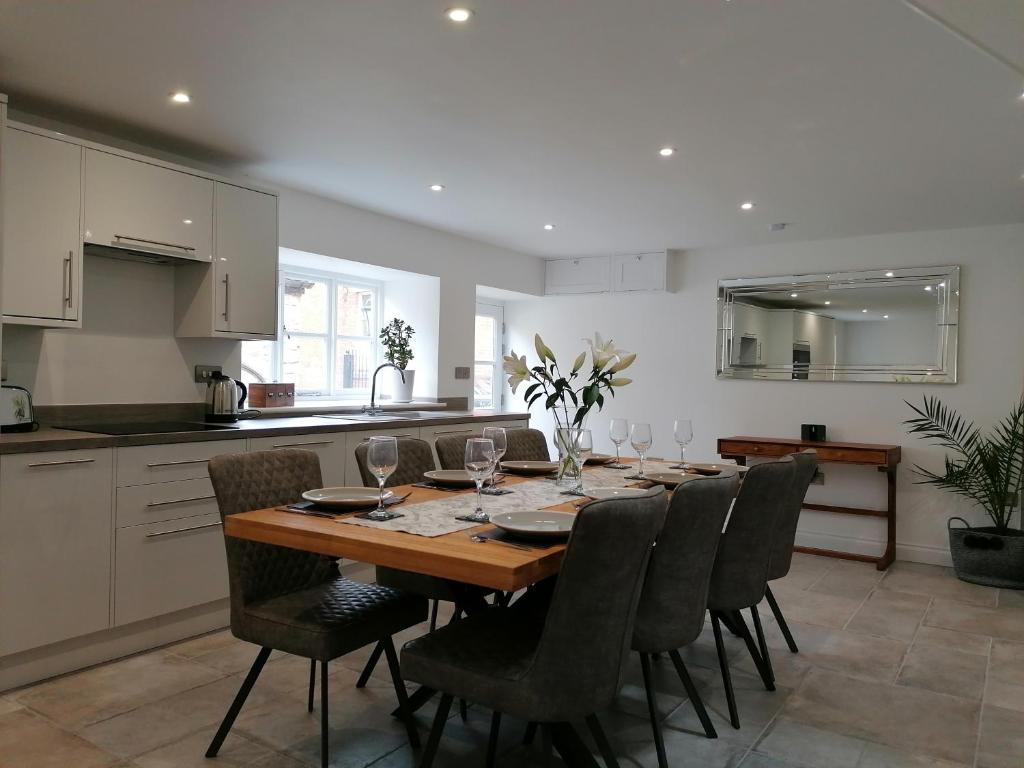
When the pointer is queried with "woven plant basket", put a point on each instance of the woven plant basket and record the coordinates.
(990, 556)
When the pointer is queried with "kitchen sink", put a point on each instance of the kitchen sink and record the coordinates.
(385, 416)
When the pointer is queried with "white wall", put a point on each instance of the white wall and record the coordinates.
(913, 339)
(674, 334)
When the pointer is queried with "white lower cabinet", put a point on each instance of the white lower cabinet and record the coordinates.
(55, 524)
(330, 448)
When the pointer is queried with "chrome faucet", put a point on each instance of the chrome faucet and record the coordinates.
(373, 410)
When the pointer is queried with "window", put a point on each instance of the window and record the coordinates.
(327, 336)
(487, 370)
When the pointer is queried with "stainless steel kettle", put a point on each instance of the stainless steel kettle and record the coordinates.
(225, 398)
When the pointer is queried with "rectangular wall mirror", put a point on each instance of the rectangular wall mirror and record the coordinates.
(888, 325)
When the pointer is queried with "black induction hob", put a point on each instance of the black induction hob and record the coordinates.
(146, 427)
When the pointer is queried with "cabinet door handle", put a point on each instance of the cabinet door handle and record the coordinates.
(227, 294)
(155, 242)
(182, 530)
(300, 445)
(453, 432)
(66, 275)
(64, 463)
(179, 501)
(176, 463)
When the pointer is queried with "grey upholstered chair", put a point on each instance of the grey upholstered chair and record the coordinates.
(740, 576)
(557, 666)
(414, 458)
(675, 595)
(785, 534)
(297, 602)
(523, 445)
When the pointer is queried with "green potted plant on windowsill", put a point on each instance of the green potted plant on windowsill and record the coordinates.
(988, 470)
(396, 337)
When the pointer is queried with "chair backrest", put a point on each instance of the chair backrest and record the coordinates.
(789, 515)
(578, 664)
(451, 449)
(526, 445)
(675, 594)
(414, 458)
(243, 482)
(740, 575)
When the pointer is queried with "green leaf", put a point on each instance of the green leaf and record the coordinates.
(552, 399)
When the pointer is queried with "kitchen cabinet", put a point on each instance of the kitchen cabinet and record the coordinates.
(330, 448)
(569, 276)
(143, 464)
(42, 247)
(640, 272)
(55, 547)
(145, 207)
(352, 439)
(430, 434)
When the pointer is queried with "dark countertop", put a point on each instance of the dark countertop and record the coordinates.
(48, 438)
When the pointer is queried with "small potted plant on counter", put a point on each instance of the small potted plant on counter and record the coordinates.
(395, 336)
(988, 470)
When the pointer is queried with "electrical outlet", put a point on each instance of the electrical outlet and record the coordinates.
(205, 372)
(462, 372)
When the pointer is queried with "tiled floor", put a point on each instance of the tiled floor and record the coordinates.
(910, 669)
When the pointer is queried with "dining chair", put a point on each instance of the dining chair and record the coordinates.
(784, 537)
(557, 665)
(675, 594)
(522, 445)
(297, 602)
(739, 578)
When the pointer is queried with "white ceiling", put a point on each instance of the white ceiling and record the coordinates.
(842, 117)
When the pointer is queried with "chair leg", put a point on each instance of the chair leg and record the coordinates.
(755, 654)
(463, 710)
(371, 663)
(400, 692)
(545, 745)
(652, 710)
(312, 683)
(236, 705)
(691, 691)
(602, 742)
(435, 604)
(530, 733)
(444, 706)
(723, 663)
(325, 729)
(762, 643)
(492, 741)
(773, 604)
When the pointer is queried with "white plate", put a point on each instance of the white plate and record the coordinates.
(670, 479)
(535, 524)
(529, 467)
(453, 478)
(599, 458)
(345, 497)
(615, 493)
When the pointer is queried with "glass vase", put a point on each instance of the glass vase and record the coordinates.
(570, 461)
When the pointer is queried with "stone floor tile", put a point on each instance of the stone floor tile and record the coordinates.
(848, 579)
(1002, 623)
(806, 745)
(1002, 738)
(77, 700)
(755, 760)
(890, 614)
(815, 608)
(1008, 661)
(1005, 695)
(936, 581)
(8, 705)
(908, 719)
(212, 641)
(1011, 598)
(877, 756)
(947, 638)
(29, 741)
(236, 752)
(944, 670)
(805, 570)
(686, 747)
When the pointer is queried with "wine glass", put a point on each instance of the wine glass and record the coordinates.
(382, 460)
(584, 448)
(640, 438)
(498, 436)
(618, 431)
(480, 460)
(682, 430)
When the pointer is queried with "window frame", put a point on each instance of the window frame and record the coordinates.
(495, 311)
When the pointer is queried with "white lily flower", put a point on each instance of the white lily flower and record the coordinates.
(625, 360)
(620, 382)
(517, 369)
(602, 352)
(543, 350)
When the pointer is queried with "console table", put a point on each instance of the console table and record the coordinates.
(884, 458)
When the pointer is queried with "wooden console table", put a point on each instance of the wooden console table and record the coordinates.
(885, 458)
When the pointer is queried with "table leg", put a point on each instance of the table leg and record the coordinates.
(890, 543)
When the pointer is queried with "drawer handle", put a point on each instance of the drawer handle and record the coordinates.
(453, 432)
(300, 445)
(176, 463)
(154, 242)
(61, 463)
(179, 501)
(182, 530)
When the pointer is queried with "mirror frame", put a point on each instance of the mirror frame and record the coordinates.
(944, 371)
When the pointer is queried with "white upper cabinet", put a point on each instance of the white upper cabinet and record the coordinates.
(640, 272)
(566, 276)
(42, 241)
(144, 207)
(245, 262)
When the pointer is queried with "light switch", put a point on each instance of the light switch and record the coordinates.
(462, 372)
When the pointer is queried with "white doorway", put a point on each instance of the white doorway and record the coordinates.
(489, 349)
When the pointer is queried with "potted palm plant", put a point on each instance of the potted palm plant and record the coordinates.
(396, 337)
(988, 470)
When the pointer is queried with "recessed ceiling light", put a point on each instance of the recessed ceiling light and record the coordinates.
(458, 15)
(667, 151)
(437, 187)
(186, 221)
(180, 97)
(549, 227)
(827, 303)
(747, 206)
(863, 310)
(927, 287)
(888, 274)
(885, 317)
(793, 295)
